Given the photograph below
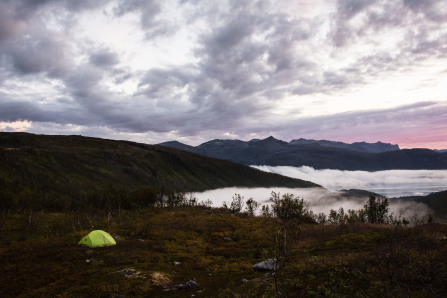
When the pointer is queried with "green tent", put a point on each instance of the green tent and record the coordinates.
(97, 238)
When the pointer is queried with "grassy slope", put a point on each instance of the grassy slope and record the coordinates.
(40, 257)
(75, 163)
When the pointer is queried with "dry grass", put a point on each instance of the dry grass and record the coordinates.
(160, 248)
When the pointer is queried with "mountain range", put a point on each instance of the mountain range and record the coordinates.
(57, 170)
(319, 154)
(76, 166)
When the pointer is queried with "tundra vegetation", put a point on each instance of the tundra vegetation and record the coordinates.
(54, 190)
(166, 239)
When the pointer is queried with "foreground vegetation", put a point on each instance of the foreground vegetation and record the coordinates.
(159, 250)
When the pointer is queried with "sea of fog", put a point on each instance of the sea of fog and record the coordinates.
(393, 183)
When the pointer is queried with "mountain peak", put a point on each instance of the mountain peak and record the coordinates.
(272, 140)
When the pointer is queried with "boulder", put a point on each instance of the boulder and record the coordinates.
(192, 285)
(268, 265)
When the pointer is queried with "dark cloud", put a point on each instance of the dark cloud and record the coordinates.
(433, 10)
(159, 83)
(246, 58)
(42, 52)
(27, 44)
(80, 5)
(104, 58)
(349, 8)
(10, 25)
(342, 31)
(150, 20)
(83, 81)
(380, 15)
(12, 109)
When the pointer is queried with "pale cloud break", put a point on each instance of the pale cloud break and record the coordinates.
(153, 71)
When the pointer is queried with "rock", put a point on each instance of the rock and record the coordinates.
(127, 271)
(130, 272)
(228, 239)
(269, 265)
(161, 279)
(192, 285)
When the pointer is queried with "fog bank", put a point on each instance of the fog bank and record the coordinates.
(391, 183)
(319, 200)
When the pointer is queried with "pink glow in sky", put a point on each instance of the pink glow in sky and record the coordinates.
(153, 71)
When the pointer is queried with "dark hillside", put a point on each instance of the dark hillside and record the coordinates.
(72, 167)
(413, 159)
(437, 201)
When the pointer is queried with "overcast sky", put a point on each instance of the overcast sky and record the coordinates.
(154, 71)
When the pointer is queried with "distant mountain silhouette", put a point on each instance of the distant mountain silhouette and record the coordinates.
(319, 154)
(358, 146)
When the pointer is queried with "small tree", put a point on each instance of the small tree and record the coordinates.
(337, 217)
(288, 209)
(175, 199)
(190, 200)
(265, 211)
(321, 218)
(236, 204)
(251, 206)
(354, 216)
(376, 209)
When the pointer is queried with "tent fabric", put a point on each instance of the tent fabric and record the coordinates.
(97, 238)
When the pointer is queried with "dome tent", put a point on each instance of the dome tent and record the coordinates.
(97, 238)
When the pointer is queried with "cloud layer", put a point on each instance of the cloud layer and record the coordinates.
(151, 71)
(391, 183)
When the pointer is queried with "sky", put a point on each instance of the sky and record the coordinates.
(192, 71)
